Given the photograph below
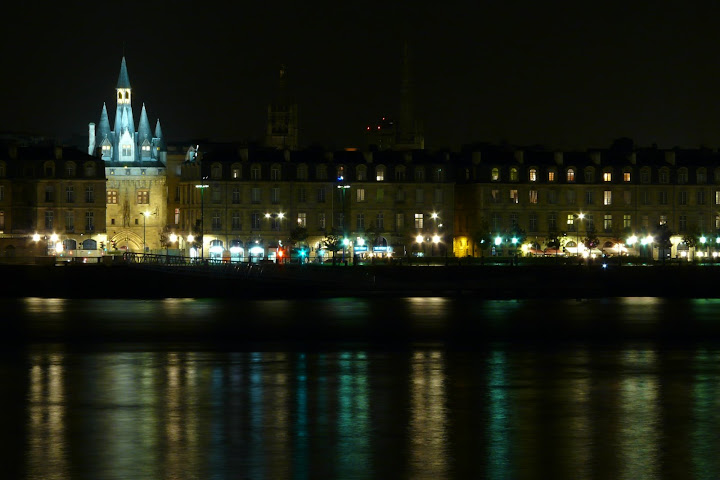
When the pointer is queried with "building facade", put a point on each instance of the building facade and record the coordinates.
(259, 201)
(645, 202)
(52, 201)
(135, 166)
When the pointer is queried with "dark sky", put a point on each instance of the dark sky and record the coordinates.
(570, 75)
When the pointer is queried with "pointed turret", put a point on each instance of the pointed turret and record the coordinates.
(144, 132)
(159, 136)
(123, 78)
(103, 130)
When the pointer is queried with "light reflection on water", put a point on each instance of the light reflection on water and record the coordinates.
(632, 409)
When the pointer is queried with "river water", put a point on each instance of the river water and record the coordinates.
(625, 388)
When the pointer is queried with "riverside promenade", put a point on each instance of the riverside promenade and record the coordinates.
(133, 280)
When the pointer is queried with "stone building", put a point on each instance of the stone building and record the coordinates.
(135, 166)
(626, 198)
(259, 200)
(52, 200)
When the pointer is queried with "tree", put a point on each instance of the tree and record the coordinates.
(662, 238)
(298, 236)
(691, 239)
(591, 241)
(481, 238)
(333, 242)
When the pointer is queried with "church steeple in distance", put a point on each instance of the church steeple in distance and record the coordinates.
(282, 124)
(409, 132)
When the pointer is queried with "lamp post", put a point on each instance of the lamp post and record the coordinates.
(578, 216)
(702, 241)
(144, 215)
(202, 188)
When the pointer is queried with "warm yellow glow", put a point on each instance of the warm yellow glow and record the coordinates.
(190, 237)
(267, 215)
(59, 247)
(281, 215)
(436, 238)
(36, 238)
(54, 237)
(173, 238)
(581, 216)
(434, 215)
(419, 239)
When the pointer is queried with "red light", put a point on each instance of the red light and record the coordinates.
(280, 253)
(368, 128)
(378, 127)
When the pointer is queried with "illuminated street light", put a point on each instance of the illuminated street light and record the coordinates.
(202, 188)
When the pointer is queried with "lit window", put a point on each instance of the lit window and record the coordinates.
(419, 220)
(533, 175)
(495, 175)
(607, 177)
(626, 176)
(607, 197)
(551, 176)
(533, 196)
(514, 198)
(570, 175)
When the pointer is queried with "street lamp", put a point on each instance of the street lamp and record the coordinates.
(144, 215)
(578, 216)
(202, 188)
(342, 188)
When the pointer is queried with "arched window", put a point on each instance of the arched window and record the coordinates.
(255, 172)
(419, 174)
(495, 175)
(235, 171)
(513, 174)
(275, 172)
(571, 175)
(400, 172)
(682, 175)
(361, 173)
(89, 169)
(216, 171)
(70, 169)
(533, 175)
(589, 175)
(49, 168)
(302, 172)
(380, 173)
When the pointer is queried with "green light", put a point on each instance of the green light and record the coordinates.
(703, 239)
(514, 240)
(346, 242)
(498, 240)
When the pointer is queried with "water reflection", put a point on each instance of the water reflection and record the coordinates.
(497, 410)
(428, 416)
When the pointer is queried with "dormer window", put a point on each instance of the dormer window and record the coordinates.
(533, 175)
(513, 174)
(495, 175)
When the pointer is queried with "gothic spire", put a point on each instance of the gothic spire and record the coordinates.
(144, 132)
(103, 130)
(123, 78)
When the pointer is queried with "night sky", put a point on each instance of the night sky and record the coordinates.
(570, 76)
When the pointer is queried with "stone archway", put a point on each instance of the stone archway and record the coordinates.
(127, 241)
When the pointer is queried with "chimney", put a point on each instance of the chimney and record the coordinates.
(91, 138)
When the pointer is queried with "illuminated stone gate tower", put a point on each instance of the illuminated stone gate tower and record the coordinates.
(135, 167)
